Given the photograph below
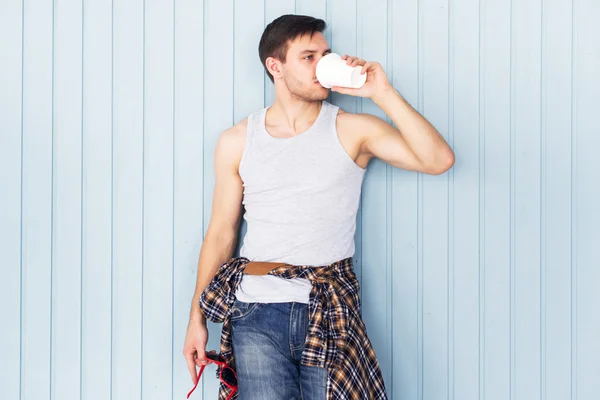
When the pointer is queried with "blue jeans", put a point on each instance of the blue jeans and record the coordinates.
(268, 339)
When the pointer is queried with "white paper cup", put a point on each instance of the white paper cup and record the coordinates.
(333, 71)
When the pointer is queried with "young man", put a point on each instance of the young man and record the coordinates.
(290, 303)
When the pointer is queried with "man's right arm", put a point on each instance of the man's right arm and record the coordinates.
(220, 239)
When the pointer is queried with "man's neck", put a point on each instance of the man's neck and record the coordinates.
(293, 114)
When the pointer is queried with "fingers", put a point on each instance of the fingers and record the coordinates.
(189, 359)
(195, 356)
(366, 67)
(353, 61)
(201, 358)
(370, 66)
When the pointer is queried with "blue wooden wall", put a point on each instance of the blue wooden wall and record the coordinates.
(481, 283)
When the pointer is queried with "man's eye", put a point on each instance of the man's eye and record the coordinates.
(308, 57)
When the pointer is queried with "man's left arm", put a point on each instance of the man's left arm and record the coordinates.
(415, 144)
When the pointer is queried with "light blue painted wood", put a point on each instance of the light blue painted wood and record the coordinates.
(128, 199)
(479, 283)
(315, 8)
(97, 202)
(407, 349)
(11, 26)
(248, 87)
(37, 200)
(65, 377)
(525, 199)
(376, 266)
(434, 194)
(586, 197)
(557, 158)
(157, 283)
(495, 207)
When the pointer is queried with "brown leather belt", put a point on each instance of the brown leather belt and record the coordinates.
(261, 267)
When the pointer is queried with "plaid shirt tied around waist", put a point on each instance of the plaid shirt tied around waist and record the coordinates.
(337, 337)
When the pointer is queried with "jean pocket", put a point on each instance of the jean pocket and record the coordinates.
(241, 310)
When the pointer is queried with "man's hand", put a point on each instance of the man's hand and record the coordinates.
(195, 346)
(377, 81)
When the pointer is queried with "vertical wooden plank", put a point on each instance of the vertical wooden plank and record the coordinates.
(128, 162)
(218, 116)
(464, 337)
(273, 10)
(406, 329)
(67, 175)
(495, 206)
(157, 284)
(37, 199)
(574, 223)
(313, 8)
(587, 198)
(97, 201)
(11, 80)
(375, 249)
(556, 197)
(526, 40)
(188, 202)
(248, 85)
(435, 205)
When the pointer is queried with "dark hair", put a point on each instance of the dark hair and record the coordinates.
(275, 38)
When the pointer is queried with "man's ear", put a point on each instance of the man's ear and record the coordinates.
(274, 67)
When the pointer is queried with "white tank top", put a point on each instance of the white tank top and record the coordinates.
(301, 196)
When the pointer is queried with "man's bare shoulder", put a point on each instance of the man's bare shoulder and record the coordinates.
(236, 133)
(231, 142)
(353, 130)
(356, 127)
(357, 121)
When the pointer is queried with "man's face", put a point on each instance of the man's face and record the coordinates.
(299, 70)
